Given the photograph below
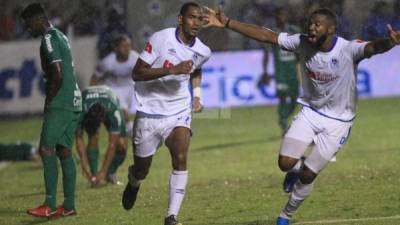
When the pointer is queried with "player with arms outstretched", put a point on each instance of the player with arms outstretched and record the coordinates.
(101, 105)
(329, 98)
(63, 104)
(171, 59)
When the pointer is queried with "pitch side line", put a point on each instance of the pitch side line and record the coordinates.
(348, 220)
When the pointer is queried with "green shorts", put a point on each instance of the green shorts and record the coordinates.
(59, 127)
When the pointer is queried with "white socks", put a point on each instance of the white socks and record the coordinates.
(299, 193)
(177, 186)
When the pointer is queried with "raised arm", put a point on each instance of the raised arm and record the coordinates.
(383, 45)
(259, 33)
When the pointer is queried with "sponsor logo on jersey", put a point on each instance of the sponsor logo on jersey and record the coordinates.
(47, 38)
(321, 76)
(148, 48)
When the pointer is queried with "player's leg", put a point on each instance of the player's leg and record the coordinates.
(92, 151)
(145, 143)
(119, 157)
(52, 129)
(178, 145)
(69, 181)
(64, 153)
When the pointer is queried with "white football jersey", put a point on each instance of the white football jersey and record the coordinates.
(114, 73)
(170, 94)
(329, 79)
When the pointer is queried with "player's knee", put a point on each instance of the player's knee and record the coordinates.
(179, 161)
(45, 151)
(286, 163)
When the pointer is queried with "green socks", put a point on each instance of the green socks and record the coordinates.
(93, 156)
(69, 180)
(50, 171)
(119, 158)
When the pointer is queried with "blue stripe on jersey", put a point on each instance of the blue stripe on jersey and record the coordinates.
(330, 117)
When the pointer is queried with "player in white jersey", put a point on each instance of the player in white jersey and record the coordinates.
(329, 99)
(115, 71)
(169, 63)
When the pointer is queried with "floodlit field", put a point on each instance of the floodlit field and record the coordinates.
(234, 178)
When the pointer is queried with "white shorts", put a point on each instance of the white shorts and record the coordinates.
(326, 136)
(151, 131)
(126, 96)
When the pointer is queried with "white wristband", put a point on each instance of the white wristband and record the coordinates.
(197, 92)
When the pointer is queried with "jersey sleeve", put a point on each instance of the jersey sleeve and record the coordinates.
(289, 42)
(101, 69)
(51, 48)
(115, 121)
(152, 49)
(356, 49)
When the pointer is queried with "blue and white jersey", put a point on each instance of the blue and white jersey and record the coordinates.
(329, 79)
(170, 94)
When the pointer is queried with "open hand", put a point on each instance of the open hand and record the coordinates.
(394, 35)
(214, 18)
(197, 106)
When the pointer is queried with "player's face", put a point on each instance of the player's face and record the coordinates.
(123, 48)
(192, 21)
(33, 26)
(319, 28)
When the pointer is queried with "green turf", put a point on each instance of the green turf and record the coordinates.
(234, 178)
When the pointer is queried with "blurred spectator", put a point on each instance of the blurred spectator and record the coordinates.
(256, 12)
(115, 26)
(396, 15)
(87, 20)
(6, 24)
(375, 25)
(344, 28)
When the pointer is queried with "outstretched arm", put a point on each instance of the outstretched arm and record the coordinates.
(383, 45)
(259, 33)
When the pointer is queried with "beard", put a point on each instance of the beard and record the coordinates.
(321, 40)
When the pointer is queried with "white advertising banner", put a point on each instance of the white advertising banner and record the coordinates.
(230, 79)
(21, 83)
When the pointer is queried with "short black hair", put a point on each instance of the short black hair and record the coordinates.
(33, 10)
(328, 13)
(93, 118)
(185, 7)
(119, 38)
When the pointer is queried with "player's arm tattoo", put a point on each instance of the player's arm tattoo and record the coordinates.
(377, 47)
(55, 80)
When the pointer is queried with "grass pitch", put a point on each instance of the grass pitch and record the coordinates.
(233, 176)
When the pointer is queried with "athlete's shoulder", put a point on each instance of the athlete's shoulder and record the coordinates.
(163, 34)
(201, 48)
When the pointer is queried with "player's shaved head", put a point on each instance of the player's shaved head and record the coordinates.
(32, 11)
(185, 7)
(329, 14)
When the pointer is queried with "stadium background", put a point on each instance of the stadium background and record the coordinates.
(91, 26)
(234, 176)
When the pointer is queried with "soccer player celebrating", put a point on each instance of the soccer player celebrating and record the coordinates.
(115, 70)
(286, 69)
(63, 104)
(171, 58)
(330, 93)
(99, 105)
